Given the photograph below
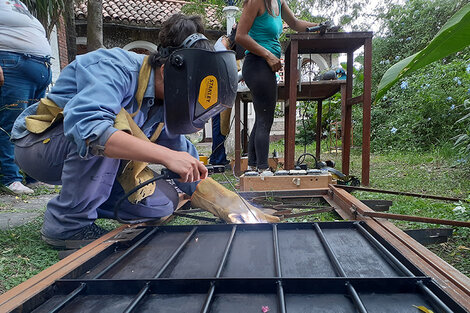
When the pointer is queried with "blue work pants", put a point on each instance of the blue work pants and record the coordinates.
(89, 186)
(26, 79)
(218, 155)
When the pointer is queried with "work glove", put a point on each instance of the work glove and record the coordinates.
(227, 205)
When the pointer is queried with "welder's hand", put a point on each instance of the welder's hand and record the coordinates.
(186, 166)
(273, 62)
(2, 79)
(215, 198)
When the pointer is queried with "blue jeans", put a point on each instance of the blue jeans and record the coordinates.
(26, 80)
(218, 156)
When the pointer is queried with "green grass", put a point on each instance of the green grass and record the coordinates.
(23, 254)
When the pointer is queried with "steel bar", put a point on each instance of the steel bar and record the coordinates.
(210, 293)
(355, 297)
(329, 251)
(137, 298)
(277, 261)
(226, 251)
(144, 290)
(455, 283)
(128, 251)
(399, 193)
(176, 253)
(69, 298)
(438, 302)
(339, 269)
(413, 218)
(390, 257)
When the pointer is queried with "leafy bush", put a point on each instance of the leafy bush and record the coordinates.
(422, 110)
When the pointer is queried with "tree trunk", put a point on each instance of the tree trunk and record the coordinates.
(70, 31)
(95, 25)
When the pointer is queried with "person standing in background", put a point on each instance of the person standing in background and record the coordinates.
(221, 121)
(25, 73)
(258, 31)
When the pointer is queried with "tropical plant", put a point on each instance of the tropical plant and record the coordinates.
(453, 37)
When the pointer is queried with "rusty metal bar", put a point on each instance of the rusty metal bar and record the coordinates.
(277, 260)
(339, 269)
(399, 193)
(413, 218)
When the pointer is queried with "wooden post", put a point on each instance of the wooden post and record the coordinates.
(366, 108)
(346, 116)
(289, 114)
(318, 130)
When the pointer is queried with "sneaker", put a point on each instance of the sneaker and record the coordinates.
(266, 172)
(83, 237)
(19, 189)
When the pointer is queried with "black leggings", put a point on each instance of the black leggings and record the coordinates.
(263, 86)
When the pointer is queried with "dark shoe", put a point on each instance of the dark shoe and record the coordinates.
(84, 236)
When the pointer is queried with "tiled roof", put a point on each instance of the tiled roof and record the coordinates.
(145, 13)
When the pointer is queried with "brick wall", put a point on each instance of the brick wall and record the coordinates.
(62, 42)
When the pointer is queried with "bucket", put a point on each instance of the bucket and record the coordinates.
(204, 159)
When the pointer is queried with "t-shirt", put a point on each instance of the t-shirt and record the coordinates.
(266, 30)
(20, 31)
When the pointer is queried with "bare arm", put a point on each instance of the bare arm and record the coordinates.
(121, 145)
(292, 21)
(251, 10)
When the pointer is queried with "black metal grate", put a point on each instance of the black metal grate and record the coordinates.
(300, 267)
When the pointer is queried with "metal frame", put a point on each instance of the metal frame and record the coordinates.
(419, 270)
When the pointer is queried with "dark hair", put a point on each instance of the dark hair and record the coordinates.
(174, 31)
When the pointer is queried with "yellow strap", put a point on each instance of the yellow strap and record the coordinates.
(144, 76)
(134, 172)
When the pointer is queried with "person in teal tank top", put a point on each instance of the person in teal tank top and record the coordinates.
(259, 28)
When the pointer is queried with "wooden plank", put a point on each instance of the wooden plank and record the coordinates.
(15, 297)
(28, 289)
(454, 283)
(288, 182)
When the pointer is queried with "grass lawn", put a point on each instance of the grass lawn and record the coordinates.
(23, 254)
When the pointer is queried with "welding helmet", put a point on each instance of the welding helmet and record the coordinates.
(198, 84)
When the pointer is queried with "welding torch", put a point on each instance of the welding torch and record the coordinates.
(164, 174)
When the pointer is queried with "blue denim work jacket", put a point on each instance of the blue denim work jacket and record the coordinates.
(92, 90)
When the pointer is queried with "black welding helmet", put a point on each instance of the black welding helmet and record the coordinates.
(198, 84)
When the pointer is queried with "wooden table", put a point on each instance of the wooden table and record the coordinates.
(306, 43)
(309, 43)
(313, 91)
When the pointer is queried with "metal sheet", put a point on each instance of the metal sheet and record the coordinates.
(298, 267)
